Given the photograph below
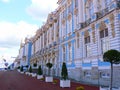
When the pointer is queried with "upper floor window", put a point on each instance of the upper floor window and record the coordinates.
(87, 46)
(70, 52)
(76, 3)
(107, 2)
(63, 53)
(104, 40)
(91, 9)
(70, 8)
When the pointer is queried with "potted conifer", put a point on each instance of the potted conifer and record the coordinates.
(21, 70)
(49, 78)
(64, 82)
(39, 74)
(30, 70)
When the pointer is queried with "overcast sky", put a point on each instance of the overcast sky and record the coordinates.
(20, 19)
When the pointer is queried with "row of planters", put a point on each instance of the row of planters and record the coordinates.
(64, 82)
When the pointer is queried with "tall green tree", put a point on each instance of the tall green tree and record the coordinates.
(49, 65)
(64, 72)
(112, 56)
(39, 70)
(30, 69)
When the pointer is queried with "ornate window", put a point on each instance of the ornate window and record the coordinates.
(91, 9)
(78, 40)
(76, 3)
(104, 40)
(70, 8)
(70, 52)
(63, 53)
(87, 44)
(107, 2)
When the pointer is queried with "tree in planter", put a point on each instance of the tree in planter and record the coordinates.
(35, 64)
(21, 68)
(30, 69)
(40, 70)
(64, 73)
(112, 56)
(49, 65)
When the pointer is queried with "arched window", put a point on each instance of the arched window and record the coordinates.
(91, 9)
(87, 44)
(104, 38)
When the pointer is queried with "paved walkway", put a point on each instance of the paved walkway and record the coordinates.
(13, 80)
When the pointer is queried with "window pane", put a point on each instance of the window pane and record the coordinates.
(106, 32)
(102, 34)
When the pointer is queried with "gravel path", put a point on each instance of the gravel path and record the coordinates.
(13, 80)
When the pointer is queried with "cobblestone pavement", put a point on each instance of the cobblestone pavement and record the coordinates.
(13, 80)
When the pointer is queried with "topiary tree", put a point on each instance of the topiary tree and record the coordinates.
(21, 68)
(39, 70)
(64, 72)
(49, 65)
(30, 69)
(35, 64)
(112, 56)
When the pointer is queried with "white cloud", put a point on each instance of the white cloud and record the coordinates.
(11, 35)
(39, 9)
(5, 1)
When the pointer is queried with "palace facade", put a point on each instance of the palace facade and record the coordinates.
(78, 32)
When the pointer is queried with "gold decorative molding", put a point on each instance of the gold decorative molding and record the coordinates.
(76, 11)
(112, 29)
(69, 16)
(86, 33)
(102, 26)
(69, 2)
(111, 17)
(63, 21)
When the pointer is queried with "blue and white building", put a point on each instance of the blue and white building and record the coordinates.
(78, 32)
(25, 52)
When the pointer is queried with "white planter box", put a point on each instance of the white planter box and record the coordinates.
(48, 79)
(39, 76)
(26, 73)
(34, 74)
(29, 73)
(64, 83)
(21, 72)
(18, 70)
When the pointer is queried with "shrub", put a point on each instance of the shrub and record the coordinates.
(49, 65)
(35, 64)
(18, 67)
(54, 81)
(42, 79)
(21, 68)
(39, 70)
(80, 88)
(30, 69)
(64, 72)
